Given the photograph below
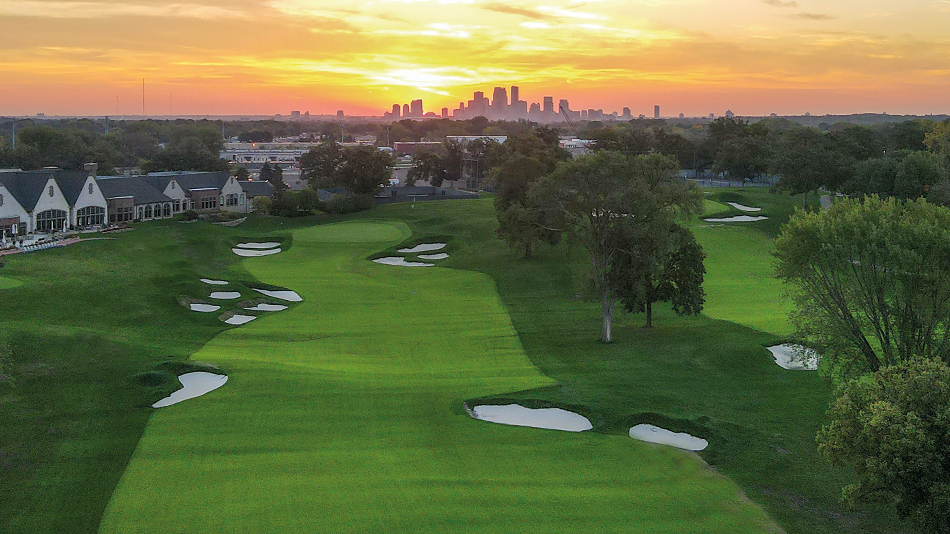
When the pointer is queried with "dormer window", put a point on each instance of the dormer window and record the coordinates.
(50, 190)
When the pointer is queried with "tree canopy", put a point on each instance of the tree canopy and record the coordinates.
(872, 281)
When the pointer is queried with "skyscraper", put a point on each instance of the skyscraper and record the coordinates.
(499, 102)
(514, 94)
(548, 104)
(415, 108)
(564, 105)
(405, 110)
(656, 112)
(395, 111)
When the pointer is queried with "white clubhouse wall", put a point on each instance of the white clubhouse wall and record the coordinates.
(87, 199)
(232, 187)
(12, 208)
(47, 202)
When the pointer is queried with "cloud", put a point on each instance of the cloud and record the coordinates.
(811, 16)
(781, 3)
(527, 12)
(83, 10)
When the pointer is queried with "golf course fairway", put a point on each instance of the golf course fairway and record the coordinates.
(344, 414)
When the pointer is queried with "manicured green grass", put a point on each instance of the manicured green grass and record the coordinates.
(345, 414)
(8, 283)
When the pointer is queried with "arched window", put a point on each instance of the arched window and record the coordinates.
(148, 211)
(166, 210)
(90, 216)
(50, 220)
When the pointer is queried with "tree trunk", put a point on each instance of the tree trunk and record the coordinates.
(649, 314)
(527, 250)
(607, 306)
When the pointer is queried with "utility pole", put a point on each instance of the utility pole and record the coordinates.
(14, 131)
(143, 98)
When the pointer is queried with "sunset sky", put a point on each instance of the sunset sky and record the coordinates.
(271, 56)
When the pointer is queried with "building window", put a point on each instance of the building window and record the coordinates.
(90, 216)
(148, 211)
(231, 200)
(91, 188)
(121, 214)
(1, 200)
(209, 202)
(50, 190)
(176, 206)
(166, 210)
(50, 220)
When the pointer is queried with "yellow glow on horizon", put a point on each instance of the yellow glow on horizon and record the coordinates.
(270, 56)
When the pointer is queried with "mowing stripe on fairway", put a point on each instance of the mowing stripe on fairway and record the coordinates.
(344, 414)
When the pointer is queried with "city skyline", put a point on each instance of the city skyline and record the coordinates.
(261, 57)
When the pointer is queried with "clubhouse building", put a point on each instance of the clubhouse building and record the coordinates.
(53, 200)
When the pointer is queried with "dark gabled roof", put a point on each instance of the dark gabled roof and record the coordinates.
(26, 186)
(256, 189)
(70, 183)
(131, 186)
(190, 180)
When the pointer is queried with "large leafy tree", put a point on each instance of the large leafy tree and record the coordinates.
(660, 265)
(807, 159)
(274, 175)
(426, 167)
(607, 194)
(364, 169)
(893, 427)
(520, 222)
(872, 281)
(320, 164)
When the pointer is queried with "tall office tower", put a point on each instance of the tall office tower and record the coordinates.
(415, 107)
(563, 104)
(656, 112)
(583, 114)
(499, 102)
(478, 105)
(626, 113)
(548, 104)
(535, 109)
(405, 110)
(445, 113)
(396, 111)
(515, 94)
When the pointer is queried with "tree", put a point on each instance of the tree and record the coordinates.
(872, 281)
(520, 222)
(893, 428)
(274, 175)
(188, 154)
(806, 160)
(661, 265)
(241, 173)
(364, 169)
(938, 141)
(606, 194)
(916, 173)
(320, 164)
(426, 167)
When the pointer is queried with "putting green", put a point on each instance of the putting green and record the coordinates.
(344, 414)
(9, 283)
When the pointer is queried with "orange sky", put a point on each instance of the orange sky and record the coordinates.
(271, 56)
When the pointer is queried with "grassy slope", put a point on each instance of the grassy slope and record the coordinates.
(86, 320)
(693, 374)
(8, 283)
(344, 414)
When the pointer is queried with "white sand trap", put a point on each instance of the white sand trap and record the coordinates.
(440, 256)
(214, 282)
(267, 307)
(662, 436)
(396, 260)
(794, 357)
(289, 296)
(425, 247)
(225, 295)
(740, 207)
(205, 308)
(738, 218)
(517, 415)
(192, 385)
(269, 244)
(238, 319)
(249, 253)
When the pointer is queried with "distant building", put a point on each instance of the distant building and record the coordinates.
(730, 114)
(626, 113)
(396, 111)
(445, 113)
(46, 201)
(405, 110)
(548, 104)
(294, 114)
(415, 108)
(712, 115)
(656, 112)
(682, 116)
(534, 109)
(499, 102)
(339, 113)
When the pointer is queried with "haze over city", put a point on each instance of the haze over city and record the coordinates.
(265, 57)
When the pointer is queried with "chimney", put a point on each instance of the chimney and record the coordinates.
(91, 168)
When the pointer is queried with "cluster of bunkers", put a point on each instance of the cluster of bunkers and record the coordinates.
(53, 200)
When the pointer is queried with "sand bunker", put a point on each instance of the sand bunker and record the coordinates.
(740, 207)
(269, 244)
(517, 415)
(738, 218)
(192, 385)
(238, 319)
(289, 296)
(425, 247)
(395, 260)
(249, 253)
(214, 282)
(225, 295)
(440, 256)
(794, 357)
(267, 307)
(662, 436)
(204, 307)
